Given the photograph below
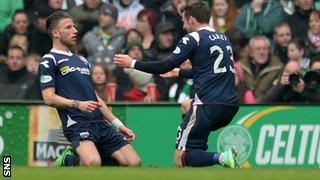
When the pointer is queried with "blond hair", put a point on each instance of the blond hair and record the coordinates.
(15, 41)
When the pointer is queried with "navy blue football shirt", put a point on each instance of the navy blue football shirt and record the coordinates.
(69, 74)
(212, 62)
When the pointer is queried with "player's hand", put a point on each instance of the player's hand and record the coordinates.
(284, 79)
(88, 106)
(122, 60)
(171, 74)
(127, 133)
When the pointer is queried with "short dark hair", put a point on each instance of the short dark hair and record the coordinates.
(18, 11)
(16, 47)
(314, 59)
(199, 10)
(54, 19)
(300, 43)
(279, 25)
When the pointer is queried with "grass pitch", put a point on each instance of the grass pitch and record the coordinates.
(79, 173)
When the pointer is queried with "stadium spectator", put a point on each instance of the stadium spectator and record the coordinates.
(298, 21)
(260, 71)
(100, 78)
(240, 51)
(314, 33)
(40, 43)
(7, 11)
(173, 15)
(282, 36)
(259, 17)
(30, 6)
(16, 82)
(139, 79)
(19, 25)
(296, 88)
(223, 15)
(297, 51)
(312, 85)
(32, 63)
(21, 41)
(86, 16)
(180, 89)
(85, 117)
(287, 91)
(216, 100)
(288, 6)
(164, 44)
(133, 34)
(128, 11)
(239, 43)
(146, 21)
(56, 4)
(105, 40)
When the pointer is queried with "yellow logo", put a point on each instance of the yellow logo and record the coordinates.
(64, 70)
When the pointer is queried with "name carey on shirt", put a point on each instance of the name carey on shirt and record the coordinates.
(217, 36)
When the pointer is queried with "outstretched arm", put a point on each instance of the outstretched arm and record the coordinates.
(182, 52)
(155, 67)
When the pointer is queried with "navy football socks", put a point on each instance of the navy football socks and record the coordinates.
(200, 158)
(71, 160)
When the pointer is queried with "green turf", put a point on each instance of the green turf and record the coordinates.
(28, 173)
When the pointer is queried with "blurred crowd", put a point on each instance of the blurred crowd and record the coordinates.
(276, 46)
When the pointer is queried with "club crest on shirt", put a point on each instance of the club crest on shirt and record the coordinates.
(45, 79)
(84, 135)
(177, 50)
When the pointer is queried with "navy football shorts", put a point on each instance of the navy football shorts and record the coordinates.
(106, 138)
(199, 121)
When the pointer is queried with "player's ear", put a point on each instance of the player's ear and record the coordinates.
(55, 33)
(192, 20)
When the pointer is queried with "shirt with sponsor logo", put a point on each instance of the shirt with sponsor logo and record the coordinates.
(212, 62)
(69, 74)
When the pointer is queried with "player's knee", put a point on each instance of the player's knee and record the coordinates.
(91, 161)
(178, 160)
(136, 161)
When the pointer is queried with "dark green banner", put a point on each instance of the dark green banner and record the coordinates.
(14, 121)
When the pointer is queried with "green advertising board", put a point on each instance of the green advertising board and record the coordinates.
(264, 136)
(14, 121)
(155, 128)
(273, 136)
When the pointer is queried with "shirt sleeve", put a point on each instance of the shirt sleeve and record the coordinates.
(181, 53)
(47, 72)
(186, 73)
